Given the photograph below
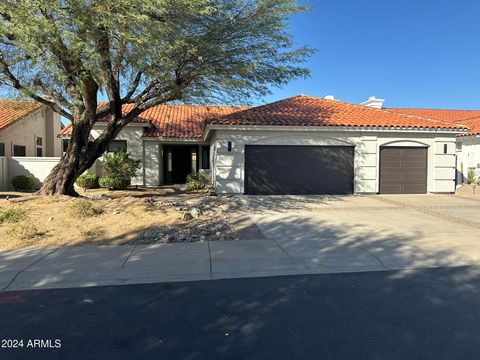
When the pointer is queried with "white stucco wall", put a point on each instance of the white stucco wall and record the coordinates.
(38, 168)
(228, 167)
(468, 156)
(43, 123)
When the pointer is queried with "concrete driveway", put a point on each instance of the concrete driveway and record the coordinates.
(399, 231)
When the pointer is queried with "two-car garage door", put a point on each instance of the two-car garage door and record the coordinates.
(307, 170)
(298, 170)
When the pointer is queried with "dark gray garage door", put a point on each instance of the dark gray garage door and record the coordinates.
(298, 170)
(403, 170)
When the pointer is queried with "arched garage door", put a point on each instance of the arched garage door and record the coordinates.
(298, 170)
(403, 170)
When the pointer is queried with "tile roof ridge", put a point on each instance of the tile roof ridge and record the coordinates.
(386, 110)
(432, 109)
(424, 118)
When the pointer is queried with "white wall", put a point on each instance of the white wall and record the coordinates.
(228, 169)
(469, 156)
(152, 168)
(38, 168)
(42, 123)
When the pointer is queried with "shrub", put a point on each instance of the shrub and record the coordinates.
(119, 164)
(13, 214)
(114, 182)
(88, 181)
(471, 176)
(23, 183)
(119, 169)
(85, 208)
(197, 181)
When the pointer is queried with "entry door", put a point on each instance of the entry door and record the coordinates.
(283, 170)
(403, 170)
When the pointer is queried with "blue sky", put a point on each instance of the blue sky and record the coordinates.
(421, 53)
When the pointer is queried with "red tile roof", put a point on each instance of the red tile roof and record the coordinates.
(312, 111)
(189, 121)
(13, 110)
(176, 121)
(470, 118)
(183, 121)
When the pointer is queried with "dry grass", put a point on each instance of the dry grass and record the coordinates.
(30, 221)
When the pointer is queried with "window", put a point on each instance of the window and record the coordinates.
(65, 145)
(205, 157)
(229, 146)
(19, 150)
(118, 145)
(445, 148)
(39, 147)
(2, 149)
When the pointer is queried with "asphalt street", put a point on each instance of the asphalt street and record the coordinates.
(422, 314)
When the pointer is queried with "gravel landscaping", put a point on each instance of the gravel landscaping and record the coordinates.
(99, 217)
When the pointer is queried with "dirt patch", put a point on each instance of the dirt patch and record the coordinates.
(470, 191)
(112, 218)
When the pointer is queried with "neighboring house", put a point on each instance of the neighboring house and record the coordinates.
(300, 145)
(468, 144)
(28, 141)
(28, 129)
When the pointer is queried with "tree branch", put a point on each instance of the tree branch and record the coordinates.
(16, 84)
(133, 88)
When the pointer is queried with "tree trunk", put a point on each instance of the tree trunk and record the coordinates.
(62, 178)
(73, 163)
(79, 157)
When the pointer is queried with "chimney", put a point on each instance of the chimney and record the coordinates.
(330, 97)
(373, 102)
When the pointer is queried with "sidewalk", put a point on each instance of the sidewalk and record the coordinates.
(118, 265)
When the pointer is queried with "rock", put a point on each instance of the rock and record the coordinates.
(187, 216)
(195, 212)
(171, 238)
(202, 237)
(50, 219)
(148, 234)
(218, 233)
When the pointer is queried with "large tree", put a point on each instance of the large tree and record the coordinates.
(68, 53)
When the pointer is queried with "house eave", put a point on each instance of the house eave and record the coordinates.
(213, 127)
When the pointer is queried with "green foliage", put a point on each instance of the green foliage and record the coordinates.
(88, 181)
(119, 169)
(471, 176)
(114, 182)
(23, 183)
(197, 181)
(187, 50)
(12, 215)
(119, 164)
(85, 208)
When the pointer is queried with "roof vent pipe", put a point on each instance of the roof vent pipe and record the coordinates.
(330, 97)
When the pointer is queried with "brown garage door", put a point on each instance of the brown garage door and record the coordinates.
(299, 170)
(403, 170)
